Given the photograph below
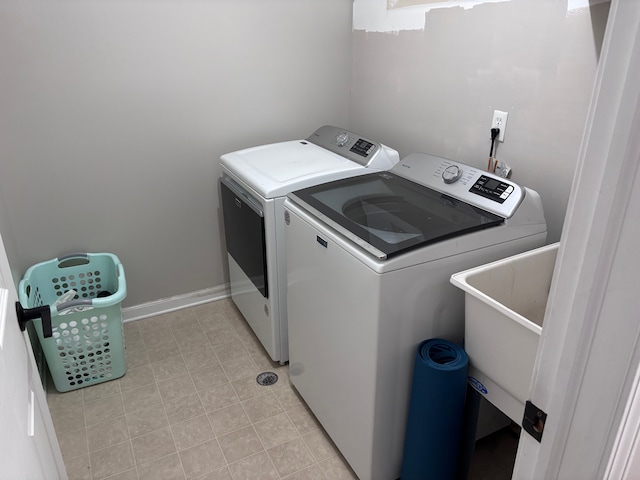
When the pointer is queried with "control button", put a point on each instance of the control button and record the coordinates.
(342, 139)
(504, 195)
(509, 189)
(451, 174)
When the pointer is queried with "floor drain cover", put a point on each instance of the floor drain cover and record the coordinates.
(267, 378)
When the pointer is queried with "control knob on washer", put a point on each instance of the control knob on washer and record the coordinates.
(451, 174)
(342, 139)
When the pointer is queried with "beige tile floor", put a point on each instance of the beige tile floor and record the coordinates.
(189, 407)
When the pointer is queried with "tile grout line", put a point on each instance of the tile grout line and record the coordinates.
(162, 402)
(86, 434)
(258, 436)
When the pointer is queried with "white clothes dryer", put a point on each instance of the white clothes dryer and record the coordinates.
(254, 185)
(368, 267)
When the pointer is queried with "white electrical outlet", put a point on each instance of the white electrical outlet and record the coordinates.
(500, 121)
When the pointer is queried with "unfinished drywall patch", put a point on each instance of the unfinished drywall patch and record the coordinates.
(578, 4)
(408, 3)
(393, 16)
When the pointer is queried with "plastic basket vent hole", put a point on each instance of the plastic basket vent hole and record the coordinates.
(267, 378)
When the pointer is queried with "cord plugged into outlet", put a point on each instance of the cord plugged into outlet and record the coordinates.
(498, 127)
(494, 134)
(500, 121)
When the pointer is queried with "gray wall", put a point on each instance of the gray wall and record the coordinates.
(114, 115)
(434, 90)
(9, 240)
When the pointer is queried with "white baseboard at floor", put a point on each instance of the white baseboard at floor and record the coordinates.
(171, 304)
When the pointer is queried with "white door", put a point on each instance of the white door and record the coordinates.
(589, 353)
(29, 449)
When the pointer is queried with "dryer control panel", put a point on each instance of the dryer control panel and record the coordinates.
(348, 144)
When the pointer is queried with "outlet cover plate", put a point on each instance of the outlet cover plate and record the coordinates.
(500, 121)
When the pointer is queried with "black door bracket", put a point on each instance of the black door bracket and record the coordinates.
(26, 314)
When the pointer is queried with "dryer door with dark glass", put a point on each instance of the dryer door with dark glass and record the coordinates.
(244, 232)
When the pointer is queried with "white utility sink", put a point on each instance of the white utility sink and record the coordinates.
(505, 303)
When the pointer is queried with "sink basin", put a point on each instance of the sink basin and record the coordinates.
(505, 302)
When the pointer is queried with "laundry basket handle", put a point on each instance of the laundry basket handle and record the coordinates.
(73, 255)
(74, 303)
(73, 260)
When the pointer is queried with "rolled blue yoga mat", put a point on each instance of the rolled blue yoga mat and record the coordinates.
(436, 411)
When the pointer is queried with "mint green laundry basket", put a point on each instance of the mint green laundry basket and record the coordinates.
(87, 345)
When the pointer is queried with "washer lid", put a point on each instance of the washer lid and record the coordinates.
(387, 214)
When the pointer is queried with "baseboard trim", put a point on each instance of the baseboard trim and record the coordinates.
(171, 304)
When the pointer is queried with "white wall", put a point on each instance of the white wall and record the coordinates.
(114, 115)
(430, 81)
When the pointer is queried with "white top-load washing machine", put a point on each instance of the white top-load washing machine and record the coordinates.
(253, 186)
(368, 267)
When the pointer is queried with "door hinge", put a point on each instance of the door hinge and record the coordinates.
(534, 420)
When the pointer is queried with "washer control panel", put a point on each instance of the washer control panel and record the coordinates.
(462, 182)
(492, 188)
(451, 174)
